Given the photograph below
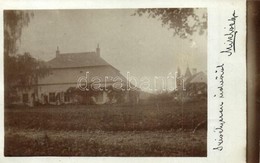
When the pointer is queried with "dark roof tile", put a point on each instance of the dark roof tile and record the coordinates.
(70, 60)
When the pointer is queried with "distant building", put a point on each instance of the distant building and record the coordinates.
(60, 86)
(191, 85)
(196, 85)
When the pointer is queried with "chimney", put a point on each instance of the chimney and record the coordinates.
(194, 71)
(98, 50)
(57, 52)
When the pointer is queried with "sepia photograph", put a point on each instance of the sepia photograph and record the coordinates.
(106, 82)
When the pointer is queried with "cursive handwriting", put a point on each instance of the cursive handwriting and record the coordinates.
(220, 69)
(231, 36)
(220, 129)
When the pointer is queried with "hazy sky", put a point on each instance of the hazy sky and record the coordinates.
(134, 44)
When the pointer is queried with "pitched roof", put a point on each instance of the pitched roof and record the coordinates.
(199, 77)
(70, 60)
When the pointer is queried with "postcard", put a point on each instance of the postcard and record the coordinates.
(124, 81)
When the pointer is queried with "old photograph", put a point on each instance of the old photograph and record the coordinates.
(106, 82)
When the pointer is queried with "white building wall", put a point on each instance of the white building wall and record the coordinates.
(60, 80)
(21, 92)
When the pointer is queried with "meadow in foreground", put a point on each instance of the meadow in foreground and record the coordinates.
(165, 129)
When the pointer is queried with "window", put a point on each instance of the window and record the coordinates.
(25, 98)
(52, 97)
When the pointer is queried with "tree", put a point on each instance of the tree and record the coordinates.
(24, 70)
(20, 71)
(184, 21)
(14, 21)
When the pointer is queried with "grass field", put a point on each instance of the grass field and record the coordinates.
(162, 129)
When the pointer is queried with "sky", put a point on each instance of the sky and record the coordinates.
(139, 45)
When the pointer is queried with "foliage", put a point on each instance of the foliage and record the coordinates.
(14, 21)
(22, 71)
(112, 94)
(184, 21)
